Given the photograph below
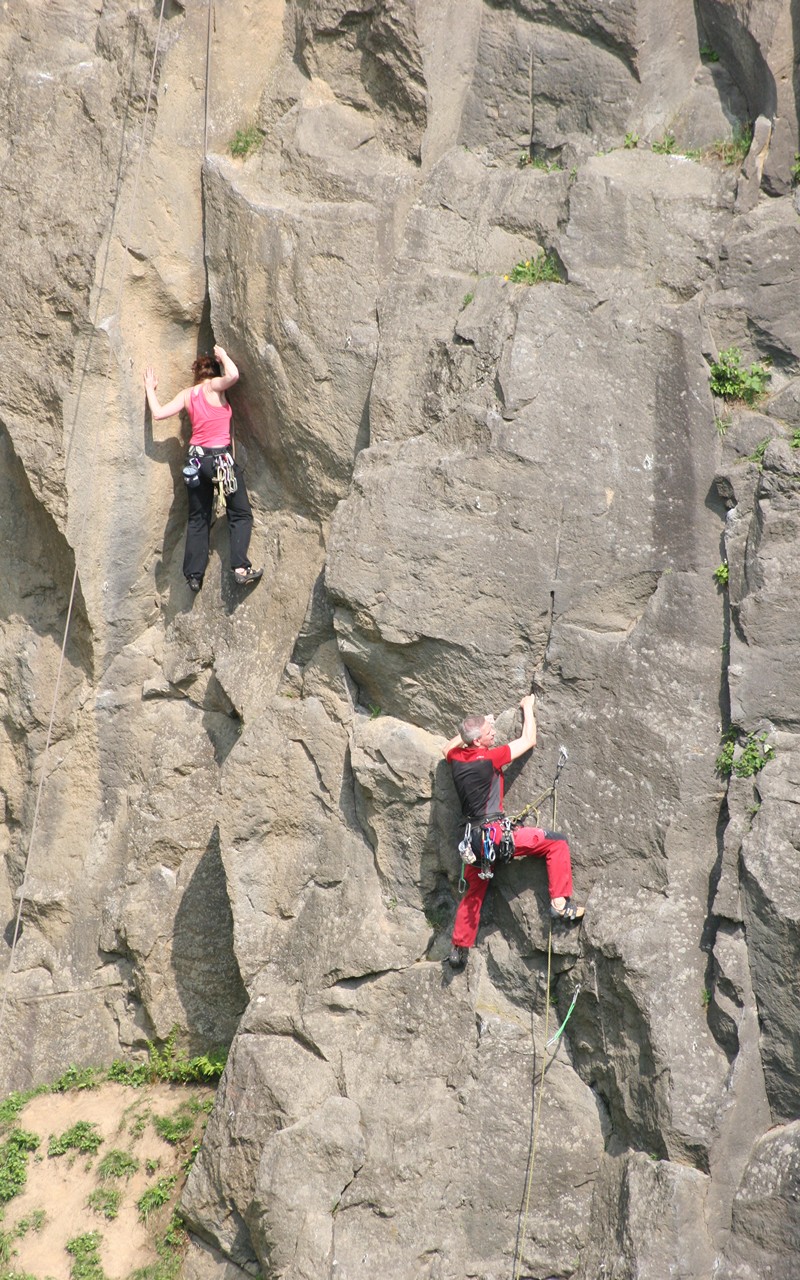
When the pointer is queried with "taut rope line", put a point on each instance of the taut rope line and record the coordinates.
(89, 477)
(522, 1235)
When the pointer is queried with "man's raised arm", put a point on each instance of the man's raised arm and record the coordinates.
(527, 738)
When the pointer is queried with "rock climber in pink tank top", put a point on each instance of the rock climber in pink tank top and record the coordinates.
(210, 463)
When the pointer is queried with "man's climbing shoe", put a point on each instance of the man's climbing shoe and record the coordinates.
(247, 577)
(458, 957)
(570, 913)
(195, 581)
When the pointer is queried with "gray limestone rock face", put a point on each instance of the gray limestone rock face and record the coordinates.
(443, 1063)
(765, 1227)
(462, 486)
(666, 1230)
(755, 43)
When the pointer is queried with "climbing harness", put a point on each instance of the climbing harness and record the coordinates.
(104, 324)
(491, 840)
(486, 843)
(223, 475)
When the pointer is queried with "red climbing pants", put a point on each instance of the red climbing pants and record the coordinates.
(528, 842)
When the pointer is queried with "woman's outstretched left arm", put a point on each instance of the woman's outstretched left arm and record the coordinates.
(161, 411)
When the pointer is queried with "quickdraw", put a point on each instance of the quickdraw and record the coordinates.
(223, 474)
(495, 841)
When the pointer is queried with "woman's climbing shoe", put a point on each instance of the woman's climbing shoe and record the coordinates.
(570, 913)
(195, 581)
(247, 577)
(458, 957)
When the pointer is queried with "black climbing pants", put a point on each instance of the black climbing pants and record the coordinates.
(201, 509)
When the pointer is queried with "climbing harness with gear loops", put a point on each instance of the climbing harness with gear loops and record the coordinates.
(223, 475)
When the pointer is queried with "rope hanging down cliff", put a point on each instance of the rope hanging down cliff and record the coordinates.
(523, 1226)
(105, 324)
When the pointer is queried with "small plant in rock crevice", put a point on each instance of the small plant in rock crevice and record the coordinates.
(527, 161)
(722, 424)
(192, 1156)
(665, 146)
(631, 141)
(721, 574)
(708, 53)
(794, 172)
(755, 753)
(731, 150)
(170, 1249)
(245, 140)
(730, 380)
(540, 269)
(757, 455)
(169, 1065)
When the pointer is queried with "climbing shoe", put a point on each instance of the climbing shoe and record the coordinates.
(458, 957)
(195, 581)
(570, 913)
(247, 577)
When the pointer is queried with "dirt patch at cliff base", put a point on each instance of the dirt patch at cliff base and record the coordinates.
(60, 1186)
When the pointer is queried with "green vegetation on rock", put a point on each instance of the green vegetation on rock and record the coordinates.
(732, 381)
(541, 268)
(245, 140)
(754, 755)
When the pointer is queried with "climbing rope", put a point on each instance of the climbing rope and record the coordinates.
(532, 1158)
(89, 475)
(208, 77)
(555, 1037)
(523, 1232)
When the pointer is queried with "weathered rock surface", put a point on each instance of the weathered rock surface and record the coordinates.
(461, 485)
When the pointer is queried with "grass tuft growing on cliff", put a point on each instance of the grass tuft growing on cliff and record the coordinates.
(540, 269)
(732, 150)
(527, 161)
(169, 1066)
(14, 1162)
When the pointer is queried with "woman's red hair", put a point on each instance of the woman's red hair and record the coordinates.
(205, 366)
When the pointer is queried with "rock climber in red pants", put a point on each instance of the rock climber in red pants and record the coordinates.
(477, 766)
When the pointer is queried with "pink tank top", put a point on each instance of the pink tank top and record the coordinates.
(211, 423)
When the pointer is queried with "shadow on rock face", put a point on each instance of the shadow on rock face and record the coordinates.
(207, 976)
